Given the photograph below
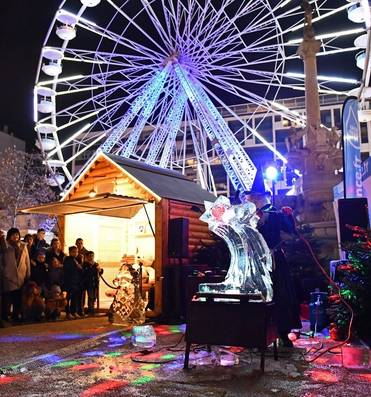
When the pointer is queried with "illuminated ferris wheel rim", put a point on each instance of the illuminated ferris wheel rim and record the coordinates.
(106, 66)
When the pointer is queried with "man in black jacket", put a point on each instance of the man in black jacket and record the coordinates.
(272, 222)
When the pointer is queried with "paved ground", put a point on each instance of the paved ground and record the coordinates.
(92, 358)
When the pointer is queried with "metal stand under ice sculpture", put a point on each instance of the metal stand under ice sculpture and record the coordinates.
(251, 259)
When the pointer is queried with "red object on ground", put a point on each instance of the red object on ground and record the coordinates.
(304, 311)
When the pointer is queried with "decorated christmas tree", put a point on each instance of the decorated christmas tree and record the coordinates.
(354, 281)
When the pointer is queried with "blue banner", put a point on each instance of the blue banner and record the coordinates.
(352, 149)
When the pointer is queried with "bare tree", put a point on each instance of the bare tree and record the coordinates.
(23, 183)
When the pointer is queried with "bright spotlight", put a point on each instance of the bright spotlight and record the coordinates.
(271, 173)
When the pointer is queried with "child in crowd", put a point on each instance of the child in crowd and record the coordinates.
(91, 272)
(39, 271)
(55, 274)
(55, 302)
(72, 276)
(33, 306)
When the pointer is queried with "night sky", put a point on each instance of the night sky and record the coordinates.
(23, 27)
(22, 31)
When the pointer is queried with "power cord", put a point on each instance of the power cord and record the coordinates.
(342, 300)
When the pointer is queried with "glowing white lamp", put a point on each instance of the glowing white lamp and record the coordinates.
(143, 336)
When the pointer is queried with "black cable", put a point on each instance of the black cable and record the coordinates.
(105, 282)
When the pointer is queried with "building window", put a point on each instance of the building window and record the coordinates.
(364, 133)
(337, 118)
(264, 127)
(237, 129)
(364, 156)
(281, 135)
(326, 117)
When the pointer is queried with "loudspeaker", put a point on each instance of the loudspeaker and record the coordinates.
(178, 237)
(353, 212)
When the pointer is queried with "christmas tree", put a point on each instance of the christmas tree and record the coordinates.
(354, 281)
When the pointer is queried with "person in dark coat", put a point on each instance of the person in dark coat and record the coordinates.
(38, 243)
(55, 274)
(72, 276)
(91, 273)
(82, 251)
(272, 222)
(55, 251)
(39, 271)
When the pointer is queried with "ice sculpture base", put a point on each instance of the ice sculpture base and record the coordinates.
(221, 323)
(228, 289)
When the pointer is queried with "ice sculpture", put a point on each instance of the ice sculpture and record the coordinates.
(251, 259)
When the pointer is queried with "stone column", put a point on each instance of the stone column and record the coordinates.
(320, 156)
(307, 52)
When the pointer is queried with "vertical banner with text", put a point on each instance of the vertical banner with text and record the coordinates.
(352, 149)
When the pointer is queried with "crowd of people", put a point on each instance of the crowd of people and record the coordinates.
(38, 281)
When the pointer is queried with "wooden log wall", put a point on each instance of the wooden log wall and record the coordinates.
(105, 177)
(199, 233)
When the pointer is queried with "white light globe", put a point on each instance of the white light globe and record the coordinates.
(271, 173)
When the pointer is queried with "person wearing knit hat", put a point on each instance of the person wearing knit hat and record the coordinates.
(272, 222)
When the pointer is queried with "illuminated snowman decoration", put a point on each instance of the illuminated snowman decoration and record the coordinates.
(251, 259)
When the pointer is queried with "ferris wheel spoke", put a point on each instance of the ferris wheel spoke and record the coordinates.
(144, 114)
(87, 147)
(117, 39)
(75, 108)
(247, 95)
(172, 125)
(252, 130)
(156, 83)
(132, 22)
(215, 19)
(168, 23)
(148, 146)
(156, 22)
(104, 58)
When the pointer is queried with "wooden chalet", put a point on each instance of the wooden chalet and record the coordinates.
(121, 206)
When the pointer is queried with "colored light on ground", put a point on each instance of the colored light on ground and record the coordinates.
(4, 380)
(364, 377)
(94, 353)
(85, 367)
(13, 339)
(168, 357)
(66, 364)
(323, 376)
(113, 345)
(67, 336)
(150, 366)
(113, 354)
(50, 358)
(102, 388)
(117, 339)
(18, 338)
(143, 380)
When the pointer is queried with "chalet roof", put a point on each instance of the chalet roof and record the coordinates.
(164, 183)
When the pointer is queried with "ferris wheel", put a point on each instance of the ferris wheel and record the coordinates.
(154, 80)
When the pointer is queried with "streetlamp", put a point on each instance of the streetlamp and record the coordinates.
(271, 173)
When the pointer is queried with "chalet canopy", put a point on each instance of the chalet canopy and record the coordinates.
(103, 204)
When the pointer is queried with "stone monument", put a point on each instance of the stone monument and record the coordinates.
(320, 155)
